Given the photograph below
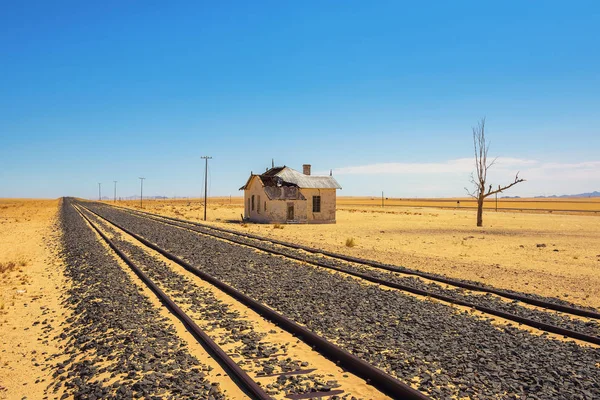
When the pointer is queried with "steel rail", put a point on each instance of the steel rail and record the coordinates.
(373, 375)
(378, 265)
(248, 383)
(512, 317)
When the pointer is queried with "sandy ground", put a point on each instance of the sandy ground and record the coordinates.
(545, 253)
(579, 205)
(29, 296)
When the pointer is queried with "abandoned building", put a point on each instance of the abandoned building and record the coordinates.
(284, 195)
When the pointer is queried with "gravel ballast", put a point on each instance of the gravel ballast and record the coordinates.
(252, 349)
(587, 326)
(444, 352)
(117, 344)
(400, 269)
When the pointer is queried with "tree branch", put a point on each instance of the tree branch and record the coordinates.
(492, 163)
(501, 189)
(472, 194)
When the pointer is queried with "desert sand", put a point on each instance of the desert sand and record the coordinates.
(551, 254)
(30, 284)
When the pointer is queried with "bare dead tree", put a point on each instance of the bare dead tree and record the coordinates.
(479, 193)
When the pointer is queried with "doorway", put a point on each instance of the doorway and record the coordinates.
(290, 211)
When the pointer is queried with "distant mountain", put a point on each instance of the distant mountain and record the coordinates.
(591, 194)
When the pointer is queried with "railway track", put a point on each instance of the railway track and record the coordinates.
(250, 386)
(441, 350)
(374, 264)
(577, 328)
(374, 376)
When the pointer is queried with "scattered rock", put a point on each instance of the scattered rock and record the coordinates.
(123, 327)
(423, 337)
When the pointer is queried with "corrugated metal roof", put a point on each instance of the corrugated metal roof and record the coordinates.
(273, 171)
(285, 176)
(306, 181)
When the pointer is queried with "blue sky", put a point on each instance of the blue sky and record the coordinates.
(383, 93)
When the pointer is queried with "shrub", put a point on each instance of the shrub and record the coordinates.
(350, 242)
(7, 267)
(278, 226)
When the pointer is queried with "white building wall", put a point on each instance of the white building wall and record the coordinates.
(276, 210)
(258, 213)
(328, 204)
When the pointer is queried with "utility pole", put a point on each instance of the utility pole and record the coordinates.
(99, 191)
(115, 191)
(381, 199)
(141, 192)
(206, 158)
(496, 202)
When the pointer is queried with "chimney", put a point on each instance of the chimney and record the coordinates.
(306, 169)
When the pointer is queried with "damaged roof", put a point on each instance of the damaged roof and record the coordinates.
(284, 193)
(285, 176)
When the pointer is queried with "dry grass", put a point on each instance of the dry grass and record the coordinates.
(7, 267)
(278, 226)
(350, 242)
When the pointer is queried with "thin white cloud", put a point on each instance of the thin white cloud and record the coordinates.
(580, 165)
(588, 170)
(460, 165)
(449, 178)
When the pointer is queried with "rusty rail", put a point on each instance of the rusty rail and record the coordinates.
(402, 270)
(376, 377)
(235, 371)
(512, 317)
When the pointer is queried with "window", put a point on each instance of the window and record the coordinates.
(265, 206)
(258, 205)
(252, 202)
(316, 203)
